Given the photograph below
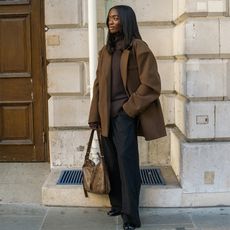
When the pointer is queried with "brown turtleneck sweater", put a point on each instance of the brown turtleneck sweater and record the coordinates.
(118, 94)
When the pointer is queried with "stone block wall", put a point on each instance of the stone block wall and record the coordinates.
(200, 140)
(68, 80)
(68, 74)
(190, 39)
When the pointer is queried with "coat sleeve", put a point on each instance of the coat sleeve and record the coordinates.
(150, 84)
(93, 112)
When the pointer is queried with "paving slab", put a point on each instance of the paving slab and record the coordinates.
(20, 222)
(81, 218)
(22, 182)
(21, 217)
(22, 210)
(217, 221)
(38, 217)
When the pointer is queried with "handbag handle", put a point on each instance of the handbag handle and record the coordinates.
(101, 154)
(90, 144)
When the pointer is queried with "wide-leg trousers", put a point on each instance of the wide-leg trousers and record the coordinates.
(122, 160)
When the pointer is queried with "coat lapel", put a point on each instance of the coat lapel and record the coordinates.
(106, 75)
(123, 66)
(107, 62)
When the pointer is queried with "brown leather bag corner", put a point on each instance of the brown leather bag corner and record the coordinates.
(95, 176)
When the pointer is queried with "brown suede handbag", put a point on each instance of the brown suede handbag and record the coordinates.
(95, 176)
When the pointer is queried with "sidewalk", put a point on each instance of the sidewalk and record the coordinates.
(35, 217)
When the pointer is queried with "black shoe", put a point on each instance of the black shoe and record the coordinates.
(128, 227)
(114, 212)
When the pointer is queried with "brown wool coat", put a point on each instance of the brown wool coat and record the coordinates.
(142, 83)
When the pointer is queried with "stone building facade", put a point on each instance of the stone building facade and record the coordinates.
(190, 39)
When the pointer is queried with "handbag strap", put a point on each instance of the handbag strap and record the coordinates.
(89, 145)
(101, 154)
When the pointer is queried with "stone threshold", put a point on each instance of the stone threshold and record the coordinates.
(73, 195)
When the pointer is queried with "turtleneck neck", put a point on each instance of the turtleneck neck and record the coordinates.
(118, 36)
(118, 41)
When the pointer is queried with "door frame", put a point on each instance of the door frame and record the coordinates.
(44, 82)
(38, 67)
(36, 9)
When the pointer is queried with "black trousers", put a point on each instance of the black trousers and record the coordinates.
(122, 159)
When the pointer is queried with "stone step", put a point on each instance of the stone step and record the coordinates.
(168, 195)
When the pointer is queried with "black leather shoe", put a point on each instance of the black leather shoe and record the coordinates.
(128, 227)
(114, 212)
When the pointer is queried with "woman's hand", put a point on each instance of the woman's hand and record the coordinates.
(94, 125)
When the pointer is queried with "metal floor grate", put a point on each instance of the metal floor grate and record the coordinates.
(68, 177)
(149, 176)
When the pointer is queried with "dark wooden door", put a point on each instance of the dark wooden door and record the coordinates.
(22, 81)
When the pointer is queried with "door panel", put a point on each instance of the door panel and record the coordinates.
(22, 82)
(15, 35)
(16, 89)
(8, 2)
(17, 127)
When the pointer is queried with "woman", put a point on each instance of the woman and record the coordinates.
(125, 104)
